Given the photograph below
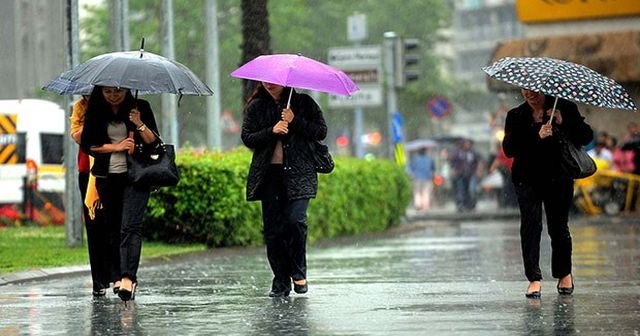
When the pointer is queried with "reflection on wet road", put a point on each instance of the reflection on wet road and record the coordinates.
(440, 279)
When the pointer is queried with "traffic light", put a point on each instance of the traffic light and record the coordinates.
(405, 58)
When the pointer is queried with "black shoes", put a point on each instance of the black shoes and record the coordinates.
(565, 290)
(278, 293)
(99, 292)
(300, 289)
(533, 294)
(116, 287)
(126, 294)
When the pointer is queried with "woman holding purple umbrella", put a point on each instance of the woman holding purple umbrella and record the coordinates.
(533, 144)
(282, 176)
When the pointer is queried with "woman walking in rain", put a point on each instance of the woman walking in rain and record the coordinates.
(97, 234)
(282, 176)
(538, 181)
(114, 123)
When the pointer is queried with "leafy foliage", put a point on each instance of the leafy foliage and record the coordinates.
(308, 27)
(208, 205)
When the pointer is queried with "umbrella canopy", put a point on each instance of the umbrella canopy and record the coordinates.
(63, 86)
(419, 144)
(561, 79)
(297, 71)
(136, 70)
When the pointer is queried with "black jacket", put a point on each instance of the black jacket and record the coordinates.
(535, 159)
(308, 125)
(94, 133)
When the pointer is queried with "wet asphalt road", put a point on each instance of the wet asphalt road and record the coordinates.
(438, 278)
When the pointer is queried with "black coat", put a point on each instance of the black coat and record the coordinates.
(535, 159)
(94, 134)
(308, 125)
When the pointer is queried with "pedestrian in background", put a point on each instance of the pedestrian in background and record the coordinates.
(421, 169)
(114, 123)
(97, 235)
(502, 164)
(465, 163)
(282, 176)
(538, 180)
(631, 145)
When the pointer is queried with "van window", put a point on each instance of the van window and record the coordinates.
(52, 148)
(21, 148)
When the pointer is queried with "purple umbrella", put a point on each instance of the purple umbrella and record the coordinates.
(297, 71)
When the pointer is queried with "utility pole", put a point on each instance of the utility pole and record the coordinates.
(169, 109)
(390, 40)
(214, 136)
(357, 32)
(73, 205)
(119, 25)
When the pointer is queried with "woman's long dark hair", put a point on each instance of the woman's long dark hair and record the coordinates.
(98, 116)
(100, 110)
(260, 91)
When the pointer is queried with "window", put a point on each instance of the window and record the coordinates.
(52, 148)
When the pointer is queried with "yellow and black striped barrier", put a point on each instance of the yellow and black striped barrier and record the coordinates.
(8, 138)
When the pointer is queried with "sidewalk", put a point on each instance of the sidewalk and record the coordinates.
(423, 277)
(485, 209)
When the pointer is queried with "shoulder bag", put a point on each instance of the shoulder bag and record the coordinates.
(153, 166)
(574, 161)
(322, 160)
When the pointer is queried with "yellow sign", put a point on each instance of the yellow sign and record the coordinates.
(8, 138)
(532, 11)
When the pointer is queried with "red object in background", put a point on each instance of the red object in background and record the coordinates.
(342, 141)
(32, 174)
(9, 214)
(438, 180)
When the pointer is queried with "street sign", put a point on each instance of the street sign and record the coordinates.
(397, 128)
(439, 107)
(364, 66)
(357, 27)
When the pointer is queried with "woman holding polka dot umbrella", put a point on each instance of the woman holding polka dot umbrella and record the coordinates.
(533, 139)
(561, 79)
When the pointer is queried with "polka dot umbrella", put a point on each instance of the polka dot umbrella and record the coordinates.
(561, 79)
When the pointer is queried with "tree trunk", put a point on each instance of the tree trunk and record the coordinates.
(255, 36)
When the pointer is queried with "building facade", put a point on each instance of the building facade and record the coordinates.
(32, 45)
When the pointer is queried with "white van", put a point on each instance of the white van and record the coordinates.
(30, 130)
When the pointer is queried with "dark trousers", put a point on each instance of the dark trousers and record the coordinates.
(97, 240)
(124, 208)
(285, 230)
(111, 192)
(464, 191)
(556, 195)
(135, 205)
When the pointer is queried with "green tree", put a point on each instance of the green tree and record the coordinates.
(255, 35)
(309, 27)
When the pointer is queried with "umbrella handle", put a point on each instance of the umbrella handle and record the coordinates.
(553, 111)
(289, 100)
(141, 47)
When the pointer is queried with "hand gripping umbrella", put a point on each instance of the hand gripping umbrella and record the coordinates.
(561, 79)
(297, 71)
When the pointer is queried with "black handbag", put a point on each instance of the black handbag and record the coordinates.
(574, 161)
(322, 160)
(153, 166)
